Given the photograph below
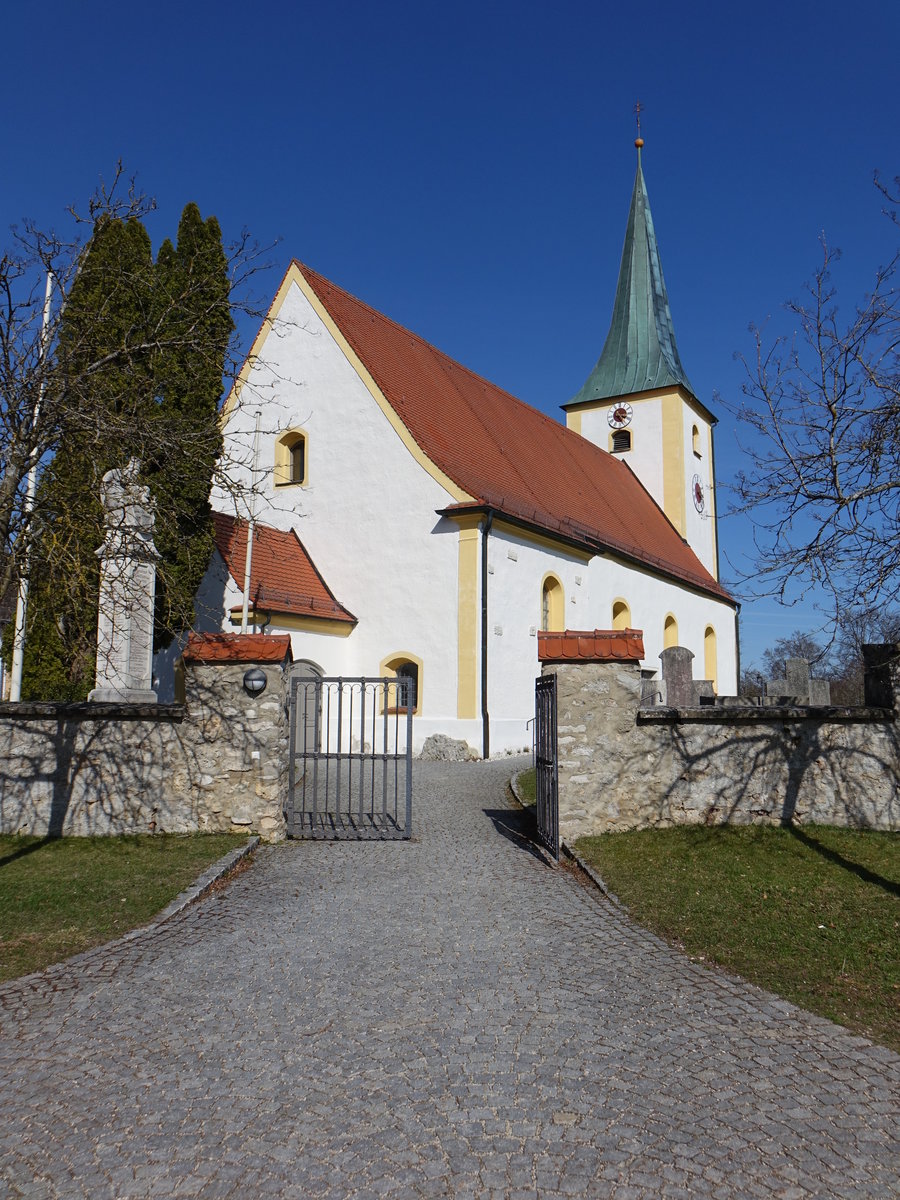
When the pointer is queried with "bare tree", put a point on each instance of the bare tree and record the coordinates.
(823, 480)
(41, 397)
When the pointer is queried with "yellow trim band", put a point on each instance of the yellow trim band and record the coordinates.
(673, 461)
(467, 619)
(292, 621)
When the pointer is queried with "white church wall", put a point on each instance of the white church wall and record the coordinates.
(651, 460)
(517, 570)
(646, 454)
(700, 525)
(367, 515)
(650, 600)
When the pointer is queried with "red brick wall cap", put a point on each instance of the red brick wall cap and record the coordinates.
(237, 648)
(592, 645)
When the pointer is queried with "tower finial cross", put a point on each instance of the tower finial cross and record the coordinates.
(638, 109)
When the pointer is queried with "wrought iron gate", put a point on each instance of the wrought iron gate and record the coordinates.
(545, 763)
(350, 772)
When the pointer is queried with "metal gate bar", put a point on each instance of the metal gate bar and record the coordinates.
(546, 763)
(341, 731)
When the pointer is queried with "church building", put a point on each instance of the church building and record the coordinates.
(415, 520)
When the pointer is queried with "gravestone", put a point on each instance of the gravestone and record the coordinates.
(678, 676)
(128, 561)
(797, 687)
(882, 674)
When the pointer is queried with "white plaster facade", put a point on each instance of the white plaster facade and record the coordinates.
(666, 457)
(368, 514)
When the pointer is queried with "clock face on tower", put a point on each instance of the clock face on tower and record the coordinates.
(697, 493)
(619, 416)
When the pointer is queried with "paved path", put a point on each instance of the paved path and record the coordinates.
(449, 1017)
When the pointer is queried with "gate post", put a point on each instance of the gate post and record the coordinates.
(582, 662)
(235, 690)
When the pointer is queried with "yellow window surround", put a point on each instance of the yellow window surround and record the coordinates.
(621, 614)
(292, 458)
(553, 604)
(710, 657)
(389, 668)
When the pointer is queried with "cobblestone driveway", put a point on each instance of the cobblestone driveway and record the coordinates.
(448, 1017)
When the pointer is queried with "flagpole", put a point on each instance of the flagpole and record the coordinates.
(18, 654)
(248, 557)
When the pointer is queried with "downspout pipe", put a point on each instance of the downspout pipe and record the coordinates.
(485, 715)
(737, 646)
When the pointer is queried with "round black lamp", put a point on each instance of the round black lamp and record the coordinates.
(255, 681)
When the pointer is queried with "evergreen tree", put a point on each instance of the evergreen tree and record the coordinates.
(144, 346)
(192, 295)
(105, 322)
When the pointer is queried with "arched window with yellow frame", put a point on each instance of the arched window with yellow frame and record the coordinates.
(621, 614)
(407, 670)
(710, 657)
(292, 458)
(670, 632)
(695, 441)
(553, 605)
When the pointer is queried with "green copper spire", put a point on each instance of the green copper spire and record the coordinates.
(640, 351)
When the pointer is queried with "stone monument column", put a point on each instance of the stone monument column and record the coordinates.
(128, 561)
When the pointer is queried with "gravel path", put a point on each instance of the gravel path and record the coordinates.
(447, 1017)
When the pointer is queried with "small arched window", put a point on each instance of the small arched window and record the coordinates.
(407, 670)
(621, 441)
(710, 657)
(695, 441)
(670, 632)
(553, 607)
(408, 691)
(621, 615)
(291, 466)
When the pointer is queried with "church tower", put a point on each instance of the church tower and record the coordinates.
(638, 402)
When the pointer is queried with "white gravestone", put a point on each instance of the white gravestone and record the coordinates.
(128, 561)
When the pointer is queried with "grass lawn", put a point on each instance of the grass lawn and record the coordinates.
(61, 896)
(810, 913)
(527, 785)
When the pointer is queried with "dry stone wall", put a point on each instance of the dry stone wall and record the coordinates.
(623, 767)
(217, 763)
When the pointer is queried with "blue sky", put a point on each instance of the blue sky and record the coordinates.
(468, 169)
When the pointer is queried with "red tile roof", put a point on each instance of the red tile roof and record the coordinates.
(283, 578)
(506, 454)
(593, 645)
(237, 648)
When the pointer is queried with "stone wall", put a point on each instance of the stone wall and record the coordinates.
(624, 767)
(216, 763)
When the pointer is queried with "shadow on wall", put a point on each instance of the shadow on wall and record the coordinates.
(626, 767)
(81, 772)
(217, 764)
(802, 769)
